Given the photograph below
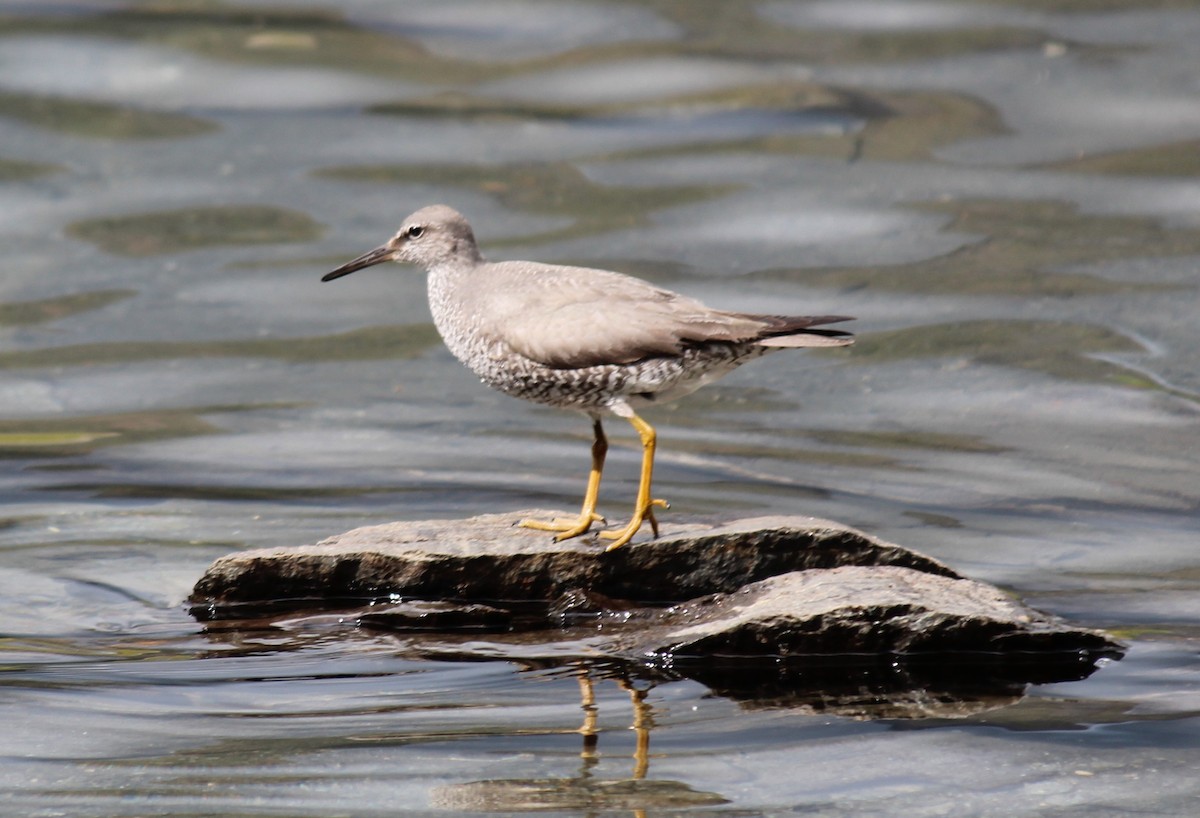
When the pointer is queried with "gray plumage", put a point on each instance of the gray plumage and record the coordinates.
(575, 337)
(578, 338)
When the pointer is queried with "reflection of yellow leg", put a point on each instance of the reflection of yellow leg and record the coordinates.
(642, 722)
(587, 702)
(568, 528)
(643, 508)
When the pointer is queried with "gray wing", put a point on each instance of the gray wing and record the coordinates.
(571, 317)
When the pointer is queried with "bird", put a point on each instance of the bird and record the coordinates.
(596, 341)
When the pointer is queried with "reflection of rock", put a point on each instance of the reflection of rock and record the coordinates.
(937, 685)
(879, 691)
(782, 609)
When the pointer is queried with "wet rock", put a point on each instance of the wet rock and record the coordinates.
(582, 607)
(753, 608)
(432, 615)
(855, 640)
(488, 558)
(876, 610)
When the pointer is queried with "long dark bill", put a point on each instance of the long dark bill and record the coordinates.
(376, 256)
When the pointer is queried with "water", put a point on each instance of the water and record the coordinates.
(1006, 195)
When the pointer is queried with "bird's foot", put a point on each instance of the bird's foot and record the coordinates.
(640, 516)
(567, 527)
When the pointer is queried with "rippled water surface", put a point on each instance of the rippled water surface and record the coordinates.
(1006, 194)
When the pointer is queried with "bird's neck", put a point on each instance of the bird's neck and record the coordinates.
(447, 275)
(449, 286)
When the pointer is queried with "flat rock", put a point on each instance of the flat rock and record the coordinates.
(769, 605)
(489, 558)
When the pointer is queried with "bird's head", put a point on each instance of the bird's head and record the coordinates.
(432, 237)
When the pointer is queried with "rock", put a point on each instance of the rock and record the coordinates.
(876, 610)
(851, 635)
(426, 615)
(766, 609)
(487, 558)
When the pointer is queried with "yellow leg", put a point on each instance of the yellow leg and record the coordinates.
(643, 508)
(568, 528)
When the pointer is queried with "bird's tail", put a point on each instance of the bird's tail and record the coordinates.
(791, 331)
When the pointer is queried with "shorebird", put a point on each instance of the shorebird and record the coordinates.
(590, 340)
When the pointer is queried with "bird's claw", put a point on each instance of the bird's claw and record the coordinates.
(567, 527)
(623, 536)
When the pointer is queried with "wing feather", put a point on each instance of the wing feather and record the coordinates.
(573, 317)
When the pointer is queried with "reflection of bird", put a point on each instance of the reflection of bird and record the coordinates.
(575, 338)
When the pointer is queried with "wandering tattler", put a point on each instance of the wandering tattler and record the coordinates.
(575, 338)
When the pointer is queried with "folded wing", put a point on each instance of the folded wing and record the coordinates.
(573, 317)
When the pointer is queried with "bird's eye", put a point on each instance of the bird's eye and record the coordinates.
(415, 231)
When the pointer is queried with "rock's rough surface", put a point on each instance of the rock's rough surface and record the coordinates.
(877, 610)
(488, 558)
(761, 608)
